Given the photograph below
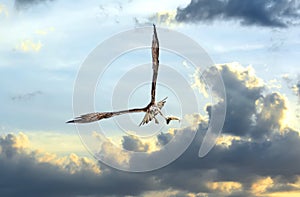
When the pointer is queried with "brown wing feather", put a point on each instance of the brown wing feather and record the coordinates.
(155, 64)
(92, 117)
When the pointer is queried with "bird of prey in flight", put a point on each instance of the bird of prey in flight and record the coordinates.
(151, 110)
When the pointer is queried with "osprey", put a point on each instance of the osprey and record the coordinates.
(151, 110)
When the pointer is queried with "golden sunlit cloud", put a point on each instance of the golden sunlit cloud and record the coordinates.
(164, 18)
(194, 120)
(244, 74)
(148, 145)
(260, 186)
(226, 140)
(28, 46)
(295, 192)
(289, 118)
(21, 141)
(225, 186)
(273, 107)
(71, 163)
(285, 194)
(111, 153)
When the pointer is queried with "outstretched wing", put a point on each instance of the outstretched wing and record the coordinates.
(155, 63)
(92, 117)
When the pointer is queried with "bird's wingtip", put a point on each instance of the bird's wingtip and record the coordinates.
(154, 28)
(70, 121)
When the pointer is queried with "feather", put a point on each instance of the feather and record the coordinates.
(168, 120)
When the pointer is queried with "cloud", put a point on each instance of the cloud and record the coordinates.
(225, 171)
(25, 4)
(27, 96)
(110, 152)
(296, 89)
(28, 172)
(18, 146)
(243, 88)
(262, 113)
(225, 187)
(243, 163)
(251, 159)
(272, 113)
(164, 138)
(166, 18)
(133, 143)
(163, 18)
(273, 13)
(226, 140)
(261, 185)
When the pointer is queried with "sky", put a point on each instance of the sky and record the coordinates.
(253, 44)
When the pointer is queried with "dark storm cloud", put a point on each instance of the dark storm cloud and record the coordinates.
(249, 112)
(271, 13)
(240, 100)
(23, 175)
(24, 4)
(244, 162)
(26, 96)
